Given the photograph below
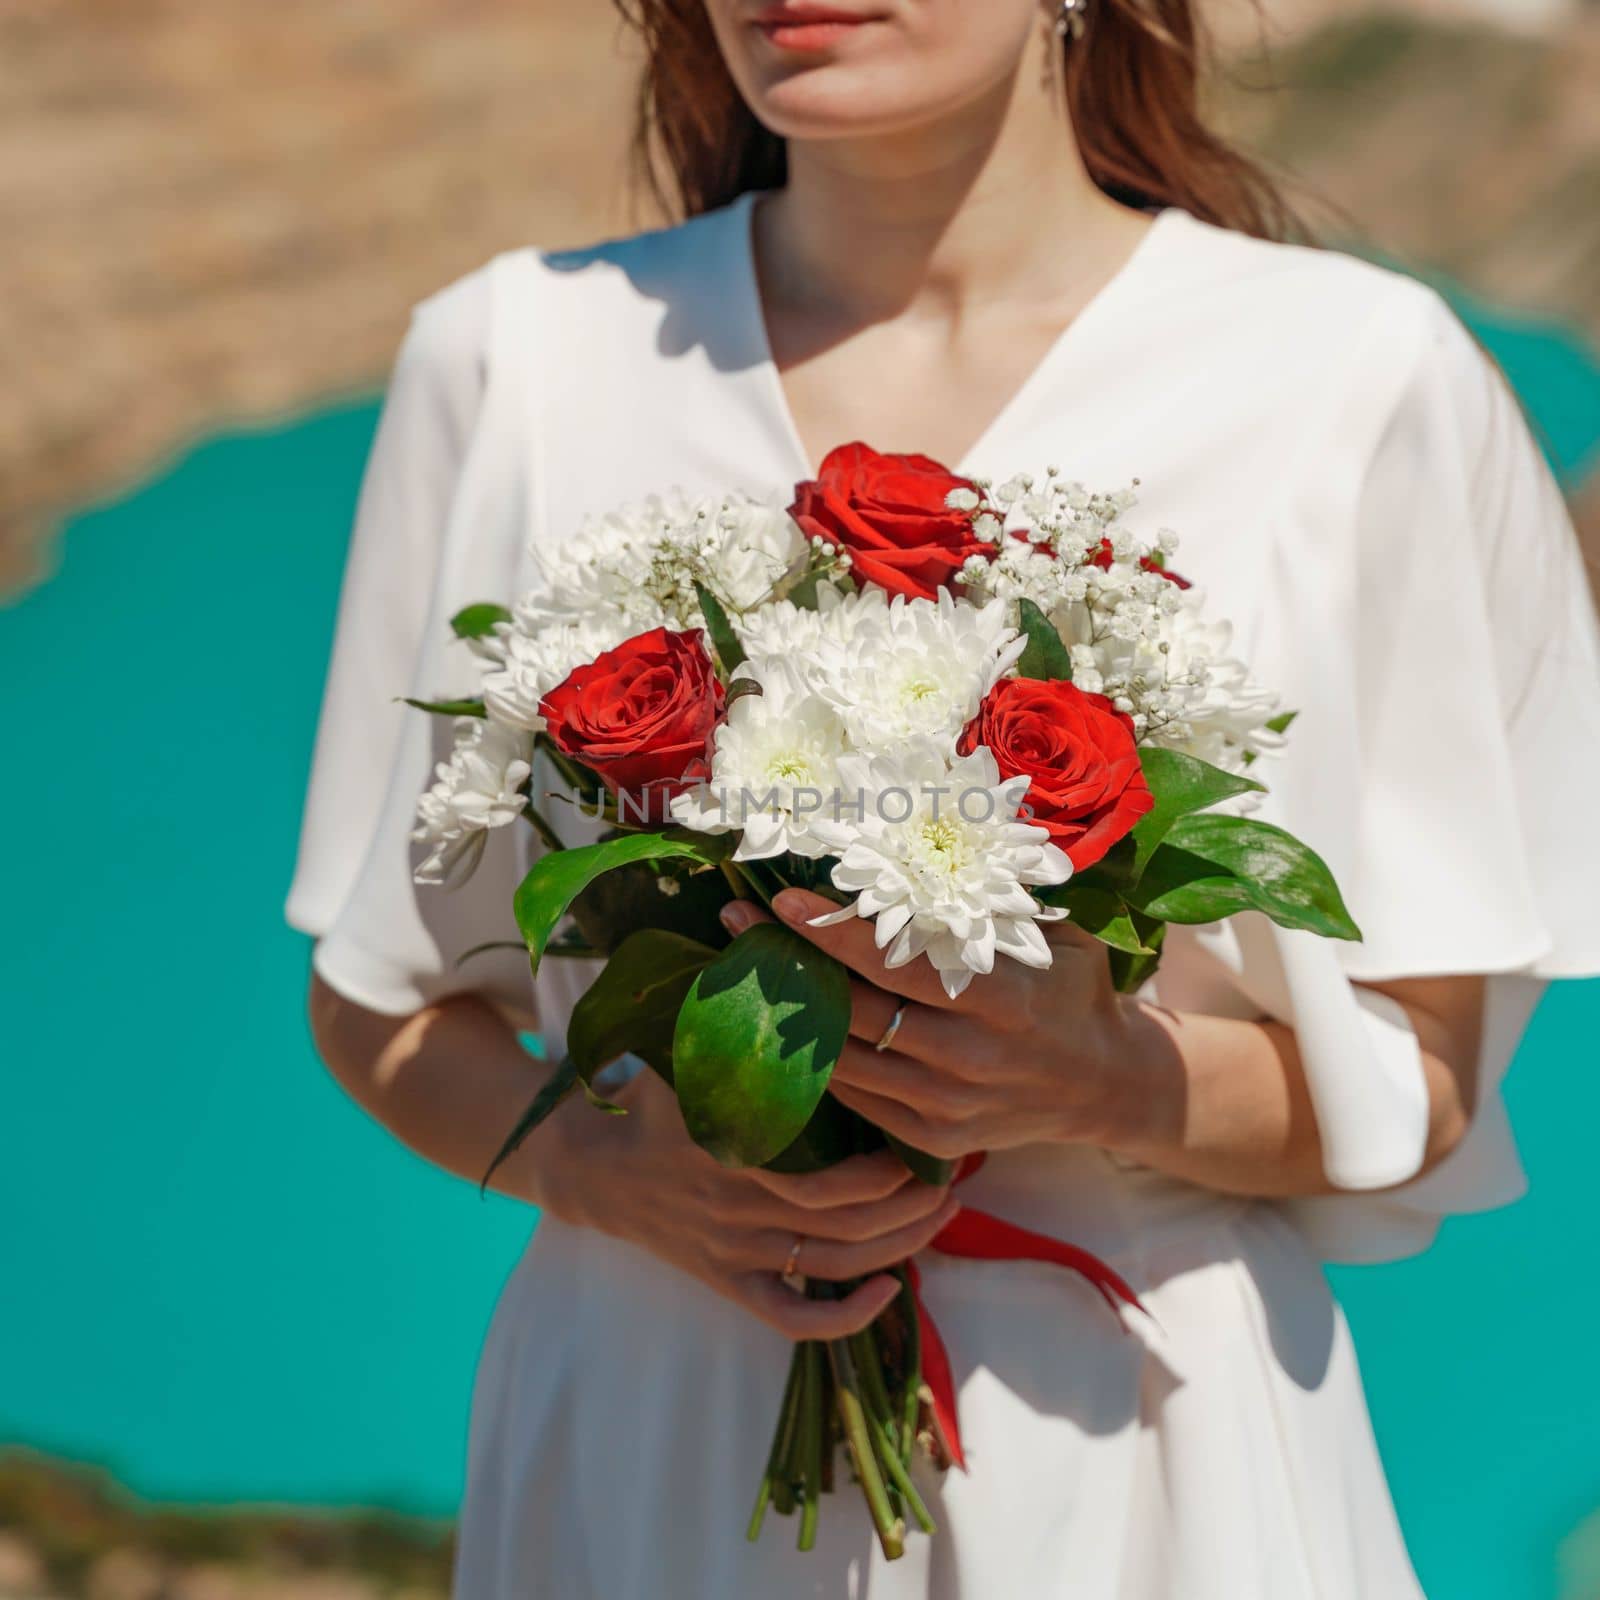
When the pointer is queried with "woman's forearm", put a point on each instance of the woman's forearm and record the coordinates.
(1223, 1102)
(449, 1081)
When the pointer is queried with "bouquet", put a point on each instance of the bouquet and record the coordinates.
(960, 709)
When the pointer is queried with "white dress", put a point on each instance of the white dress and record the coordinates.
(1356, 489)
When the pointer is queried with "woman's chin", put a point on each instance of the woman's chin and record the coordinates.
(843, 102)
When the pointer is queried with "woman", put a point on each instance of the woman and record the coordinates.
(999, 235)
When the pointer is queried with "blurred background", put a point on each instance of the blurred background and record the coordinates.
(238, 1324)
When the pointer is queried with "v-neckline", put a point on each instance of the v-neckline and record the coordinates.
(776, 396)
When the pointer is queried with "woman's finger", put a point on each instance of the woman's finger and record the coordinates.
(900, 1119)
(856, 1180)
(931, 1088)
(924, 1033)
(738, 915)
(852, 943)
(797, 1316)
(908, 1205)
(839, 1259)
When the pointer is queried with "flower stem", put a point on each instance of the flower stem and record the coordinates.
(785, 1472)
(744, 884)
(552, 839)
(869, 1368)
(811, 1443)
(776, 1481)
(901, 1478)
(857, 1431)
(911, 1402)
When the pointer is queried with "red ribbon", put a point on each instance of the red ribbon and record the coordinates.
(979, 1236)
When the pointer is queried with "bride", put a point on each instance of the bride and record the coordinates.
(999, 234)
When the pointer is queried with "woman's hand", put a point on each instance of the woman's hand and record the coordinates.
(735, 1229)
(1023, 1057)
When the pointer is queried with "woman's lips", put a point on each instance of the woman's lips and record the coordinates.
(807, 28)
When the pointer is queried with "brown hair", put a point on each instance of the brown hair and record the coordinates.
(1132, 88)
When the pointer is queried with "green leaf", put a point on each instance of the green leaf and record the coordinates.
(485, 948)
(804, 593)
(633, 1005)
(935, 1170)
(600, 1103)
(629, 898)
(1181, 785)
(1128, 971)
(834, 1133)
(730, 653)
(1210, 867)
(478, 622)
(1099, 911)
(1045, 656)
(556, 1088)
(449, 708)
(557, 879)
(756, 1042)
(1281, 722)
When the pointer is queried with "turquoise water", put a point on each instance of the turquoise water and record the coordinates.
(222, 1282)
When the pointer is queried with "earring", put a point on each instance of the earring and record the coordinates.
(1071, 17)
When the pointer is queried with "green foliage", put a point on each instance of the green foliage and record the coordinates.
(633, 1005)
(448, 708)
(1099, 911)
(936, 1170)
(724, 641)
(1181, 786)
(804, 593)
(1045, 656)
(478, 622)
(561, 1083)
(832, 1133)
(556, 880)
(756, 1043)
(1128, 970)
(1210, 867)
(628, 898)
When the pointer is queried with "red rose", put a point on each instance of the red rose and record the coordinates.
(1088, 788)
(640, 717)
(889, 512)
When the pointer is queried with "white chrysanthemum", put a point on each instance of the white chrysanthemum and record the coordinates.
(642, 562)
(1223, 712)
(602, 568)
(774, 768)
(536, 657)
(784, 630)
(625, 573)
(780, 631)
(1178, 682)
(939, 861)
(475, 790)
(917, 669)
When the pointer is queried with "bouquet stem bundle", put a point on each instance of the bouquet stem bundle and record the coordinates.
(866, 1393)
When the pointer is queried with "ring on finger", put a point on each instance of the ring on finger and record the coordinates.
(791, 1267)
(887, 1037)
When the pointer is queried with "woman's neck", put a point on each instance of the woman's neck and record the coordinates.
(990, 203)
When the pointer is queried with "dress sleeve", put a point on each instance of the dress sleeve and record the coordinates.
(1450, 707)
(421, 547)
